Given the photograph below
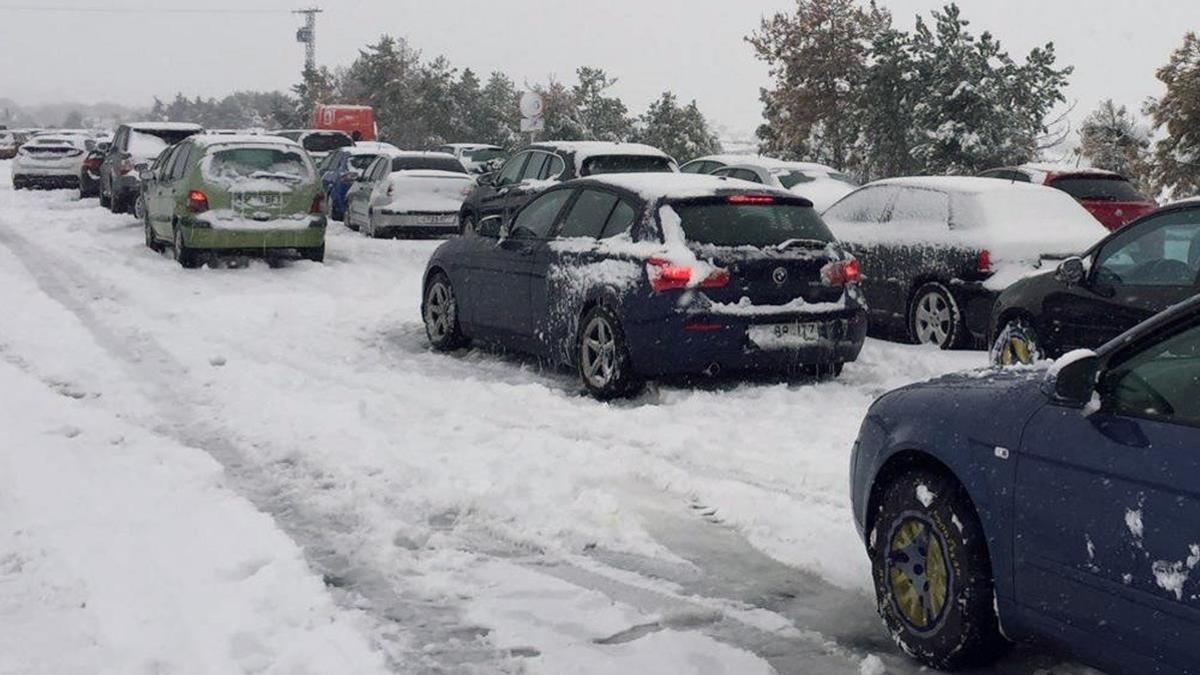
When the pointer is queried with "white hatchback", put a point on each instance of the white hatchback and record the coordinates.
(49, 161)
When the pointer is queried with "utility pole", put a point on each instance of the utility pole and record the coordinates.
(308, 35)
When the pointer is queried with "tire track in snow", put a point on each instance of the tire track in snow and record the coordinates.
(431, 635)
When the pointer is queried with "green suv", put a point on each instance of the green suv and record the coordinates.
(233, 194)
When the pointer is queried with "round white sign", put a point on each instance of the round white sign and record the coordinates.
(532, 104)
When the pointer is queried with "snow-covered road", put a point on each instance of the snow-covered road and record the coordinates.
(193, 452)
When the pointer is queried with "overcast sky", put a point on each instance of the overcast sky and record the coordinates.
(694, 47)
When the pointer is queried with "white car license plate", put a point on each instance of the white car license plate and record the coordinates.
(436, 220)
(785, 335)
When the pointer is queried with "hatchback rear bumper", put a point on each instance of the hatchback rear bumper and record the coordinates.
(695, 344)
(416, 224)
(254, 240)
(46, 181)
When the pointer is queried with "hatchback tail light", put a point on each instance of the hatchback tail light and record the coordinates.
(318, 204)
(841, 273)
(984, 263)
(667, 276)
(197, 202)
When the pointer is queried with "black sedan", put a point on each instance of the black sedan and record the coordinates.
(1131, 275)
(631, 277)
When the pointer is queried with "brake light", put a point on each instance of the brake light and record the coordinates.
(667, 276)
(750, 200)
(391, 190)
(92, 163)
(841, 273)
(197, 202)
(984, 264)
(318, 204)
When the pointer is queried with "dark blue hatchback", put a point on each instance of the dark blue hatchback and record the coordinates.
(1062, 508)
(629, 277)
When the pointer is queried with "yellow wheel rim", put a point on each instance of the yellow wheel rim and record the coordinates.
(917, 572)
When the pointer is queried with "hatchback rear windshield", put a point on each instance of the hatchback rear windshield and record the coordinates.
(236, 164)
(327, 142)
(148, 143)
(720, 223)
(593, 166)
(427, 164)
(790, 179)
(1114, 189)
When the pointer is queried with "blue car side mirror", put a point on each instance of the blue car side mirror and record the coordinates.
(1075, 377)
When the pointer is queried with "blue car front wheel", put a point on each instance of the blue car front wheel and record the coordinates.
(933, 577)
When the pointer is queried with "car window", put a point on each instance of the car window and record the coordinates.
(867, 206)
(1099, 188)
(180, 161)
(511, 173)
(1161, 381)
(746, 174)
(725, 171)
(588, 214)
(533, 169)
(602, 164)
(762, 222)
(620, 221)
(361, 162)
(1161, 251)
(924, 207)
(382, 167)
(536, 220)
(697, 167)
(553, 168)
(162, 165)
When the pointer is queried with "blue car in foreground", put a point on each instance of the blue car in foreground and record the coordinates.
(628, 277)
(1062, 508)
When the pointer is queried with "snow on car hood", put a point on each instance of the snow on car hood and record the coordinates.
(426, 190)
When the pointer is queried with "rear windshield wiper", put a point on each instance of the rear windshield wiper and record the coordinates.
(804, 243)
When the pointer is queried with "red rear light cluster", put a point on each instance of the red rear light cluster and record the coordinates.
(750, 200)
(92, 163)
(984, 264)
(667, 276)
(318, 204)
(197, 202)
(841, 273)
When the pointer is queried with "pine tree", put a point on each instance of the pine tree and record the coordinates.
(818, 57)
(604, 118)
(499, 117)
(681, 132)
(1176, 161)
(564, 121)
(1110, 139)
(317, 85)
(884, 110)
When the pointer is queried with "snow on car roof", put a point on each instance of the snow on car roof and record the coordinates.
(73, 141)
(655, 186)
(164, 126)
(769, 163)
(369, 148)
(585, 149)
(206, 140)
(422, 153)
(970, 185)
(1045, 167)
(474, 146)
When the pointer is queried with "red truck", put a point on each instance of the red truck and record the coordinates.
(356, 120)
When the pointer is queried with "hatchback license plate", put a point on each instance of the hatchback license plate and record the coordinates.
(784, 335)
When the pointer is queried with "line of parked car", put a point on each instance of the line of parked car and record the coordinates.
(1017, 504)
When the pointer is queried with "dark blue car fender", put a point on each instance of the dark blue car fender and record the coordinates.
(975, 441)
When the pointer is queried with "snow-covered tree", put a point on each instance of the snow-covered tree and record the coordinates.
(680, 131)
(817, 55)
(499, 121)
(604, 118)
(1176, 161)
(975, 107)
(1111, 139)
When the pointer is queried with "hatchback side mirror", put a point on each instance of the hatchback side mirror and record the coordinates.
(1075, 377)
(351, 176)
(1071, 271)
(491, 227)
(488, 179)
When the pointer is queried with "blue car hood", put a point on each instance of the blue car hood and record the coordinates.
(984, 407)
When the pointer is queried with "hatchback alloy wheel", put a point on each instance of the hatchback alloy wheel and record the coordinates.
(440, 312)
(1017, 344)
(933, 319)
(599, 353)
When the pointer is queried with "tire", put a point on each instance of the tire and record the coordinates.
(602, 355)
(439, 309)
(370, 229)
(316, 254)
(934, 317)
(116, 204)
(152, 242)
(466, 224)
(349, 221)
(933, 578)
(1017, 344)
(105, 198)
(186, 257)
(139, 207)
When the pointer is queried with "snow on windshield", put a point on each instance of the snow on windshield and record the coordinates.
(242, 165)
(144, 145)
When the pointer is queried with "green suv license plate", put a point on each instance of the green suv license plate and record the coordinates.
(785, 335)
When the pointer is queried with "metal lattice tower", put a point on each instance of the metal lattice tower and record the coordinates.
(308, 35)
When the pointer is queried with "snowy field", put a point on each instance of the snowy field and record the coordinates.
(265, 469)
